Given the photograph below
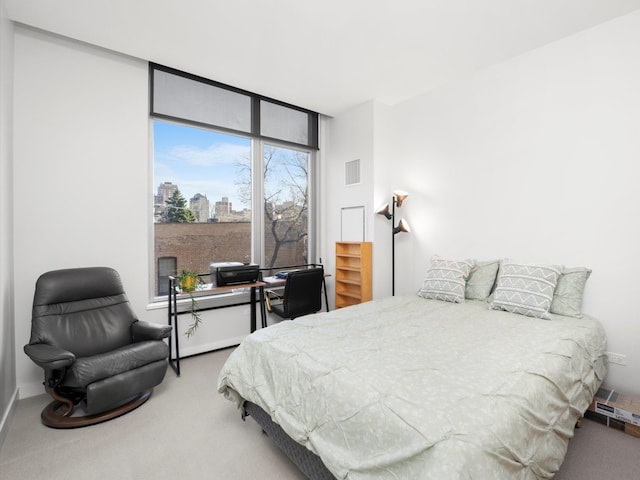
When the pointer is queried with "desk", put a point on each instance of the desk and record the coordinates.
(173, 312)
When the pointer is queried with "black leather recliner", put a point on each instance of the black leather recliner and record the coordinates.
(95, 353)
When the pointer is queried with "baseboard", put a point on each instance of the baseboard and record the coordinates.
(7, 415)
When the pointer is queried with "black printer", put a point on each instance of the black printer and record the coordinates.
(233, 273)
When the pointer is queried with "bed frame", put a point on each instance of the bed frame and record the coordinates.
(308, 462)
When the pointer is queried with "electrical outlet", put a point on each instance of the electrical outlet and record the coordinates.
(617, 358)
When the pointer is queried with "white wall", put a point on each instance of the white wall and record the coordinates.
(8, 390)
(537, 159)
(363, 133)
(82, 182)
(348, 138)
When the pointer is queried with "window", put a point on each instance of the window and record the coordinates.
(286, 202)
(202, 203)
(233, 177)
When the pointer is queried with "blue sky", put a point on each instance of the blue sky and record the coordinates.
(199, 161)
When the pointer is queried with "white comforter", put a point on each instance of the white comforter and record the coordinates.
(408, 388)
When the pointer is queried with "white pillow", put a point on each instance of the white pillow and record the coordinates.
(526, 289)
(446, 279)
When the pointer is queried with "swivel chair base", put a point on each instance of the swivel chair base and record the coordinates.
(57, 413)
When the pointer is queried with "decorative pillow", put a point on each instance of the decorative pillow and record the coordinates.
(446, 279)
(567, 298)
(481, 280)
(525, 289)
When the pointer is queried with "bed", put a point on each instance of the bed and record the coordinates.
(408, 387)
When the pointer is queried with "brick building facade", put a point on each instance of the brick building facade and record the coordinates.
(196, 245)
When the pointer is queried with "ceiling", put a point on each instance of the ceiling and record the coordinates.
(324, 55)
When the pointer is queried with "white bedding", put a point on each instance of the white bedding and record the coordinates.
(408, 388)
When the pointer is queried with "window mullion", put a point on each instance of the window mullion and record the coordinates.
(257, 185)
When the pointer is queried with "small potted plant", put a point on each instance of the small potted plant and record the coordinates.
(188, 282)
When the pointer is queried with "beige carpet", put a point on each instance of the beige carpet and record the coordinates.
(188, 431)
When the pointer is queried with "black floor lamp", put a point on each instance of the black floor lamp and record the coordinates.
(396, 201)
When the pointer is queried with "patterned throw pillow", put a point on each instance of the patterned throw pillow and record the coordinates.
(526, 289)
(446, 279)
(567, 297)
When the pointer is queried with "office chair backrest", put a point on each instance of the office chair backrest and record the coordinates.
(303, 292)
(82, 310)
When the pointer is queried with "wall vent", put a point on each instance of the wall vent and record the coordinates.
(352, 172)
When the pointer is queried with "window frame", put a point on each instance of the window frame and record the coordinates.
(241, 295)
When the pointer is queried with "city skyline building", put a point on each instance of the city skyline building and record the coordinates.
(165, 191)
(199, 205)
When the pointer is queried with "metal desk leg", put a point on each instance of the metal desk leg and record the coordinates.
(326, 299)
(263, 308)
(173, 322)
(252, 300)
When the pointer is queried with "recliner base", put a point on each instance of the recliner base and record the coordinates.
(55, 414)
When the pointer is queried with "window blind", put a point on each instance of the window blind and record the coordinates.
(182, 96)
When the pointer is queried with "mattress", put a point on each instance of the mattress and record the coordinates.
(405, 387)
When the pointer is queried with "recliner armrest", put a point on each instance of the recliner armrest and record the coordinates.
(49, 357)
(141, 331)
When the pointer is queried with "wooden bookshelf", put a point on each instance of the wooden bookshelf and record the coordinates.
(353, 273)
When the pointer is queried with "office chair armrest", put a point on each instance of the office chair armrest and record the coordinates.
(141, 331)
(49, 357)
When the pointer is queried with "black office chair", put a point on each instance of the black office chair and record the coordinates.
(95, 353)
(302, 294)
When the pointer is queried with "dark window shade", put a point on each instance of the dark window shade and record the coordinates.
(182, 96)
(284, 123)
